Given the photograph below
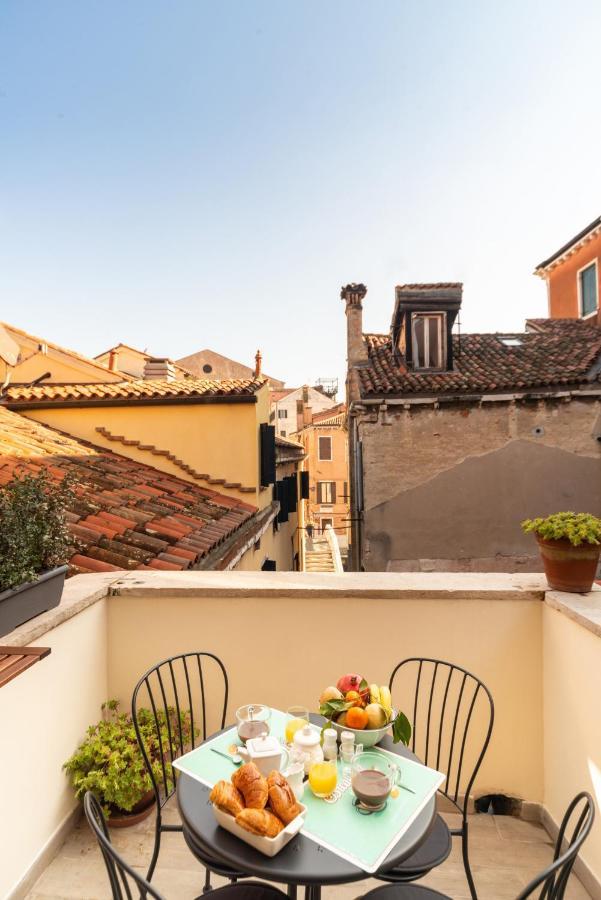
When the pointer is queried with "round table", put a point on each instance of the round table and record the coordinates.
(302, 861)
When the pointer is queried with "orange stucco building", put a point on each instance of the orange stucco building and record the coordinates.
(573, 276)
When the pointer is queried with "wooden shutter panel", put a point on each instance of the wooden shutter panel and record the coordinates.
(267, 438)
(333, 490)
(304, 485)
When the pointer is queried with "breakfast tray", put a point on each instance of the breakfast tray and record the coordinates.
(364, 840)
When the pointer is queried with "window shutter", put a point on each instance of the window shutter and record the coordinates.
(304, 485)
(267, 441)
(333, 489)
(319, 487)
(282, 496)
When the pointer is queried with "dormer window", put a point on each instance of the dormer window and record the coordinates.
(428, 332)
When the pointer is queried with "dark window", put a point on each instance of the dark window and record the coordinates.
(267, 437)
(207, 368)
(326, 492)
(282, 413)
(292, 486)
(345, 496)
(325, 448)
(588, 289)
(428, 340)
(269, 566)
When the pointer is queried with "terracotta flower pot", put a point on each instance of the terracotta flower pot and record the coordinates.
(569, 568)
(121, 819)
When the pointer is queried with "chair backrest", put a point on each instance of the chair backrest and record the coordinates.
(554, 878)
(125, 882)
(175, 705)
(452, 714)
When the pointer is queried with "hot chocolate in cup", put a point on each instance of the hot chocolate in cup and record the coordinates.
(373, 777)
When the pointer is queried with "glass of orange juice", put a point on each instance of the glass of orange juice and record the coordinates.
(323, 777)
(296, 717)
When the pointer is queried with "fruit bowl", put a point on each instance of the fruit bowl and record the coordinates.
(366, 736)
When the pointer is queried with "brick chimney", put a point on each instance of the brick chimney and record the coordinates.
(159, 369)
(258, 361)
(353, 295)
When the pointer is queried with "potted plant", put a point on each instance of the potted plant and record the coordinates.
(569, 545)
(109, 761)
(34, 541)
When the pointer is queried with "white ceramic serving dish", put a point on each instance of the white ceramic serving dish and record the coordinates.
(366, 736)
(265, 845)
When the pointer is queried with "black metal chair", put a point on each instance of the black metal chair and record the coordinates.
(124, 879)
(443, 698)
(552, 880)
(170, 701)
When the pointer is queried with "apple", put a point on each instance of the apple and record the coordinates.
(353, 682)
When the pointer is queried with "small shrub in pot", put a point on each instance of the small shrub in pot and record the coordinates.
(570, 544)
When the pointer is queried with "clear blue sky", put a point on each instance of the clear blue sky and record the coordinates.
(186, 174)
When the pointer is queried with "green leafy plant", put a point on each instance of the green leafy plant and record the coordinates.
(33, 527)
(109, 762)
(578, 528)
(401, 727)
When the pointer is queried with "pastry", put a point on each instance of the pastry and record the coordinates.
(281, 797)
(227, 797)
(251, 784)
(260, 821)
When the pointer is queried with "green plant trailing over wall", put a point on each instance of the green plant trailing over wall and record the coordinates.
(109, 761)
(578, 528)
(33, 527)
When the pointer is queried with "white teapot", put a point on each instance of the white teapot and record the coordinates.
(266, 753)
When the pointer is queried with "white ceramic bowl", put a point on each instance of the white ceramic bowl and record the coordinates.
(265, 845)
(366, 736)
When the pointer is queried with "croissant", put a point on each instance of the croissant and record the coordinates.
(227, 797)
(260, 821)
(251, 784)
(281, 797)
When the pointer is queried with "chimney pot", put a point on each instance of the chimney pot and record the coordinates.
(258, 361)
(113, 360)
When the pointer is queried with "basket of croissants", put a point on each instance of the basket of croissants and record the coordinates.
(261, 811)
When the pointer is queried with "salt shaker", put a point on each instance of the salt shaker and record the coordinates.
(330, 749)
(347, 747)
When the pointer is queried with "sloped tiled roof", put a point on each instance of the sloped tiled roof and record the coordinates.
(551, 357)
(17, 333)
(140, 389)
(126, 515)
(335, 416)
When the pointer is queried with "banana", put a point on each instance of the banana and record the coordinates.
(374, 693)
(386, 699)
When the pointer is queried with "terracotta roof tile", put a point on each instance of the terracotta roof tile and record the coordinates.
(553, 356)
(148, 519)
(17, 396)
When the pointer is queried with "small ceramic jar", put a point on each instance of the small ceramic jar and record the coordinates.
(330, 747)
(266, 752)
(307, 742)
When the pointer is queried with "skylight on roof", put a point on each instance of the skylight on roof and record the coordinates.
(511, 341)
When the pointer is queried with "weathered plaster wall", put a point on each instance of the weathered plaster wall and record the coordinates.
(482, 468)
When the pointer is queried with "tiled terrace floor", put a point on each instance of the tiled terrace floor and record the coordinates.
(505, 854)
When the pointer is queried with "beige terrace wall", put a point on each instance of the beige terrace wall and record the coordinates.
(572, 718)
(44, 713)
(283, 644)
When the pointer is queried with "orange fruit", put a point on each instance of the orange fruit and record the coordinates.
(356, 718)
(355, 697)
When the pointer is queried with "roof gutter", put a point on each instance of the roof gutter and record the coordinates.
(560, 393)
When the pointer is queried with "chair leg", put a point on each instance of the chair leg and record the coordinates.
(208, 886)
(157, 846)
(466, 862)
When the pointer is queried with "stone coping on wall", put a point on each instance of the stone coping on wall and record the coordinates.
(82, 591)
(585, 609)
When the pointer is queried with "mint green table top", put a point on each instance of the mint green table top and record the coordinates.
(363, 840)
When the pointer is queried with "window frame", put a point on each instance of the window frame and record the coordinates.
(332, 493)
(328, 519)
(591, 264)
(282, 413)
(441, 316)
(325, 437)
